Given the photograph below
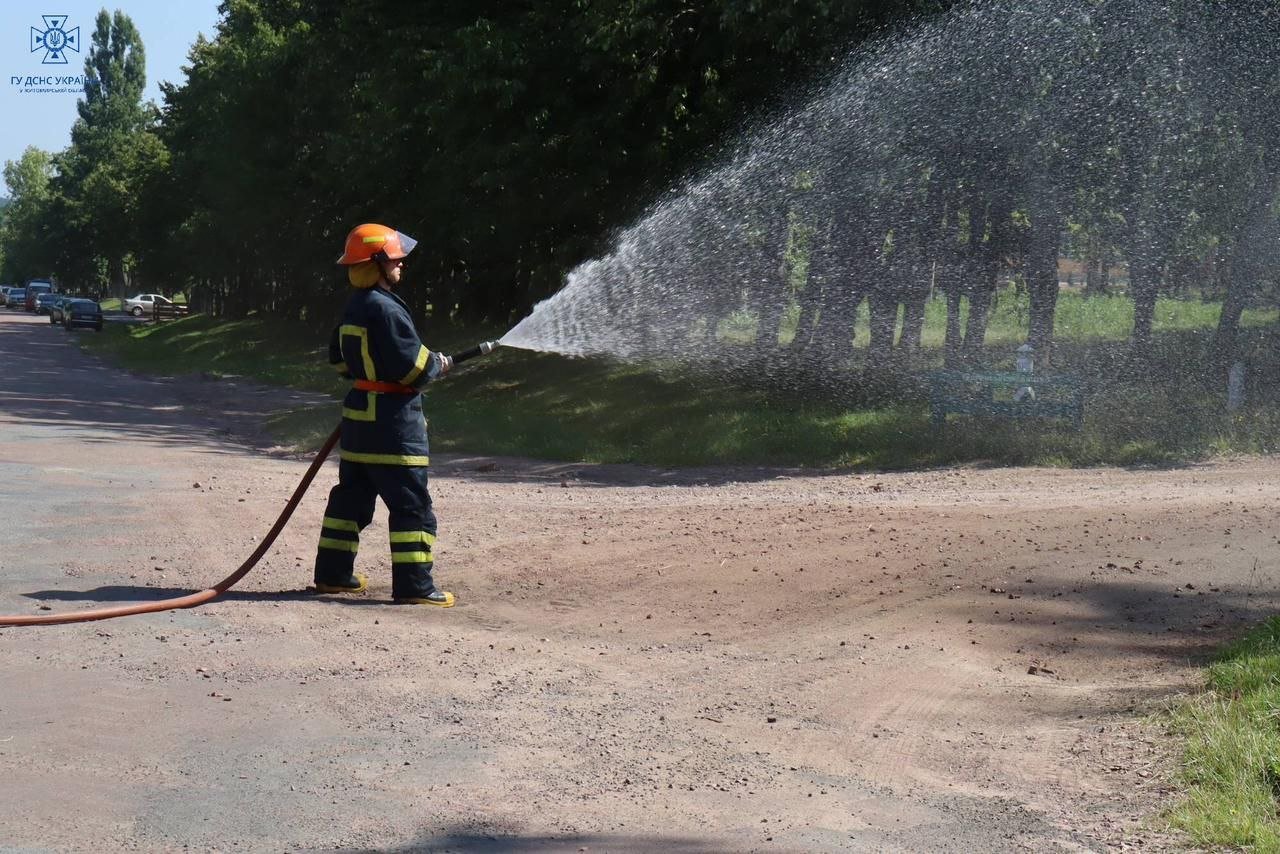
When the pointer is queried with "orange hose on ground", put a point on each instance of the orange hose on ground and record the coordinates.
(192, 599)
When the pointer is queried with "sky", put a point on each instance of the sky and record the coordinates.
(44, 119)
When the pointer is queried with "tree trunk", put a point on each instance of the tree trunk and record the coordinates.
(952, 342)
(1257, 227)
(833, 334)
(814, 299)
(975, 331)
(913, 310)
(115, 275)
(239, 298)
(1042, 283)
(769, 320)
(766, 288)
(1094, 279)
(884, 321)
(1227, 333)
(1144, 285)
(829, 302)
(915, 296)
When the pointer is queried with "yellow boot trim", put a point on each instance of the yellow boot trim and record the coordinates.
(330, 588)
(447, 603)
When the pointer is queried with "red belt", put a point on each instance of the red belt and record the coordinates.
(385, 388)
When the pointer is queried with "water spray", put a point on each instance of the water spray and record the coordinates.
(936, 162)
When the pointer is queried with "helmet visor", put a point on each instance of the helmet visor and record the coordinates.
(406, 244)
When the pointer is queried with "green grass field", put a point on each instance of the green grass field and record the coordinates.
(551, 407)
(1231, 767)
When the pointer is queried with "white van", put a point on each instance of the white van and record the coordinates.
(35, 287)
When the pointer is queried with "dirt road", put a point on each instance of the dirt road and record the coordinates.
(712, 660)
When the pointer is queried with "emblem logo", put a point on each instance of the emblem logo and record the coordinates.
(54, 40)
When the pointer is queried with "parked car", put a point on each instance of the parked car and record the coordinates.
(57, 308)
(17, 298)
(140, 304)
(82, 312)
(45, 301)
(35, 287)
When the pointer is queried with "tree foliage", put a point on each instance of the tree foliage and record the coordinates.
(26, 253)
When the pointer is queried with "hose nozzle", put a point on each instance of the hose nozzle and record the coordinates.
(484, 348)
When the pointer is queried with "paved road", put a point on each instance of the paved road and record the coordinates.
(80, 445)
(117, 488)
(84, 444)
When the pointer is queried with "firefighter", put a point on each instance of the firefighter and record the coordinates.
(383, 451)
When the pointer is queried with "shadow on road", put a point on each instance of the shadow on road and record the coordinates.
(477, 843)
(49, 380)
(141, 593)
(1121, 622)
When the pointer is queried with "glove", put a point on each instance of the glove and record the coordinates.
(446, 364)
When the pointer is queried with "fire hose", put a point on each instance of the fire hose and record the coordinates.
(191, 600)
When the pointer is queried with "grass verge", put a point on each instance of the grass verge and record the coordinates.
(263, 348)
(551, 407)
(1231, 765)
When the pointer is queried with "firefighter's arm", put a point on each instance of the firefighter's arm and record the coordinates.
(335, 355)
(411, 362)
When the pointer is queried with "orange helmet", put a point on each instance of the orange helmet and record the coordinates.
(373, 242)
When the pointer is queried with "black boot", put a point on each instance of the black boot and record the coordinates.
(353, 583)
(439, 598)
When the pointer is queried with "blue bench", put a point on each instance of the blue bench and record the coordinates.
(996, 394)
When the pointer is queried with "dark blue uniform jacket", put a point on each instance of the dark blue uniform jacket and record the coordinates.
(377, 341)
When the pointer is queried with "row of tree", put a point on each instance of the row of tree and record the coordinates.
(512, 139)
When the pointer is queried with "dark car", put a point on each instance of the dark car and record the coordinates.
(82, 312)
(17, 298)
(57, 307)
(45, 301)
